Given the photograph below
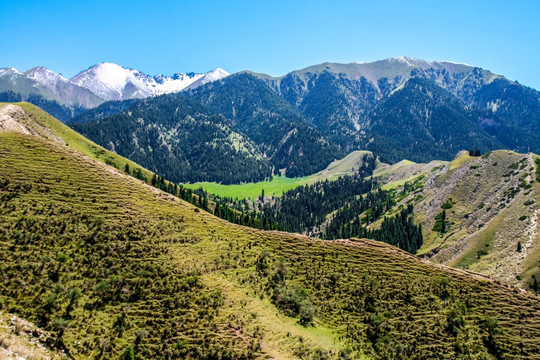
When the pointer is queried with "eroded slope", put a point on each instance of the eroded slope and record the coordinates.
(491, 212)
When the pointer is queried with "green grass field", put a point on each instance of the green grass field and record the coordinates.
(280, 184)
(276, 187)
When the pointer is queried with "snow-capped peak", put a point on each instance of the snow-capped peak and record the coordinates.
(114, 82)
(455, 63)
(216, 74)
(9, 71)
(423, 63)
(219, 71)
(44, 76)
(111, 82)
(409, 61)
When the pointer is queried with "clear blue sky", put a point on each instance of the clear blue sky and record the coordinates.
(274, 37)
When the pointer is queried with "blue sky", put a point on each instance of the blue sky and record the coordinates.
(273, 37)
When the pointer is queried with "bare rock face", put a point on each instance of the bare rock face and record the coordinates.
(10, 116)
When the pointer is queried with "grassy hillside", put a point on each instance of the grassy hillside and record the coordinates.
(491, 210)
(43, 124)
(281, 184)
(114, 268)
(396, 175)
(467, 244)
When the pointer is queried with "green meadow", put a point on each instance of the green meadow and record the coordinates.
(280, 184)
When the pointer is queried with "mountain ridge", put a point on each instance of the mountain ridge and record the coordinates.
(91, 87)
(336, 98)
(114, 82)
(374, 71)
(68, 92)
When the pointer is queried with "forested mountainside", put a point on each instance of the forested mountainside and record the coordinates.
(115, 268)
(108, 108)
(180, 140)
(264, 134)
(269, 121)
(421, 121)
(341, 100)
(516, 114)
(398, 108)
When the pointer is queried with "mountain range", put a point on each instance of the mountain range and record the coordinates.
(371, 256)
(113, 82)
(355, 104)
(297, 123)
(397, 108)
(89, 88)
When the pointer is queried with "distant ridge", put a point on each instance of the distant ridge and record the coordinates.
(401, 67)
(110, 81)
(99, 83)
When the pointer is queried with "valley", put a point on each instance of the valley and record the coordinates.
(112, 266)
(280, 184)
(490, 202)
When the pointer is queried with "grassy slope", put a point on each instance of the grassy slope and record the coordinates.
(396, 175)
(155, 273)
(493, 226)
(518, 270)
(77, 141)
(279, 184)
(488, 215)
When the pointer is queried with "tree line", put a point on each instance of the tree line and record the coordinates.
(342, 208)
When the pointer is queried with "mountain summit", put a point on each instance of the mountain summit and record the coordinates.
(110, 81)
(66, 98)
(69, 93)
